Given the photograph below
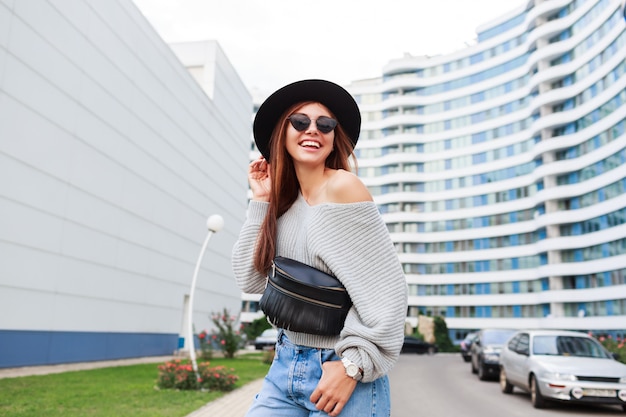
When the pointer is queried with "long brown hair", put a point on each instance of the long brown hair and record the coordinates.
(285, 186)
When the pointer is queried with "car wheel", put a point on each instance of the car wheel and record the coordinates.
(536, 398)
(505, 386)
(481, 371)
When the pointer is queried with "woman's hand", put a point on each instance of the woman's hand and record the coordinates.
(334, 389)
(259, 179)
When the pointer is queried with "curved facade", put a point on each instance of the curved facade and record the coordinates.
(499, 170)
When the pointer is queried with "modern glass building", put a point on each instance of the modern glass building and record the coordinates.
(499, 170)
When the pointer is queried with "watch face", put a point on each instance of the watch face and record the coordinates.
(352, 370)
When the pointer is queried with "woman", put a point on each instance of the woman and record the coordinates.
(307, 206)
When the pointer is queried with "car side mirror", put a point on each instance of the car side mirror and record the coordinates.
(615, 355)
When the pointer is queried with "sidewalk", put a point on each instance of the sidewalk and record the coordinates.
(233, 404)
(81, 366)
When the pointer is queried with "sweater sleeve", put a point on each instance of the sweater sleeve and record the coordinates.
(354, 243)
(248, 279)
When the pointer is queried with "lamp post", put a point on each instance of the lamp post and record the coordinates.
(214, 224)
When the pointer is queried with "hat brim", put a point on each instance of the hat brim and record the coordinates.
(331, 95)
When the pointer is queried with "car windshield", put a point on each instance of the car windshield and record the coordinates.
(568, 346)
(496, 337)
(269, 333)
(469, 337)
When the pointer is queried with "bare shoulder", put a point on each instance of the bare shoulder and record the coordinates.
(345, 187)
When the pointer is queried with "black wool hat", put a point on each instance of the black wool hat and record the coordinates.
(331, 95)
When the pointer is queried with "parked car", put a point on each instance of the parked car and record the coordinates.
(267, 339)
(466, 345)
(414, 345)
(557, 365)
(485, 352)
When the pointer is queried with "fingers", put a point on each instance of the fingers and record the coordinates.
(324, 402)
(333, 410)
(333, 390)
(259, 161)
(259, 179)
(330, 406)
(258, 166)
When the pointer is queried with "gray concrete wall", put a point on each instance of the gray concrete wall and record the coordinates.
(111, 160)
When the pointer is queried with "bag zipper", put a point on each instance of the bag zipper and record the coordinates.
(301, 297)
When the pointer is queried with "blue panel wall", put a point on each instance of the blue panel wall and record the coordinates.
(28, 348)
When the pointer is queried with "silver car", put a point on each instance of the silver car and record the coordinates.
(556, 365)
(267, 339)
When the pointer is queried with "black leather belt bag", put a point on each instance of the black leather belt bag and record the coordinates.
(304, 299)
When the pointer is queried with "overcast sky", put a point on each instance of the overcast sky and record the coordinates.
(273, 42)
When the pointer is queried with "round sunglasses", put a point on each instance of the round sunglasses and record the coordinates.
(301, 122)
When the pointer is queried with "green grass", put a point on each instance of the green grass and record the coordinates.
(113, 392)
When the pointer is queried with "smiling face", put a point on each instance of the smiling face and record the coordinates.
(310, 145)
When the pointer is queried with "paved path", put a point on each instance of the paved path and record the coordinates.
(233, 404)
(68, 367)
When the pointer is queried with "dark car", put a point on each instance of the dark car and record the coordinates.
(466, 345)
(485, 352)
(414, 345)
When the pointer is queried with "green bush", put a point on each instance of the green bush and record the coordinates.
(206, 346)
(416, 334)
(254, 329)
(180, 375)
(226, 337)
(617, 346)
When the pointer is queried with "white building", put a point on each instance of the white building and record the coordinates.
(111, 160)
(500, 170)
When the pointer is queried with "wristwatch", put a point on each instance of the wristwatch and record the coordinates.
(352, 369)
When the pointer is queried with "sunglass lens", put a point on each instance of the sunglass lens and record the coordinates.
(325, 124)
(299, 122)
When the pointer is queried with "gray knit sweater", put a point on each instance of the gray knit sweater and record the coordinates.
(351, 242)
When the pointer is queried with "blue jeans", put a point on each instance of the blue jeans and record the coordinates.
(293, 376)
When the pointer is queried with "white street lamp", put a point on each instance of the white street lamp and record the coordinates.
(215, 223)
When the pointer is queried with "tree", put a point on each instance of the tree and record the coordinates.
(442, 337)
